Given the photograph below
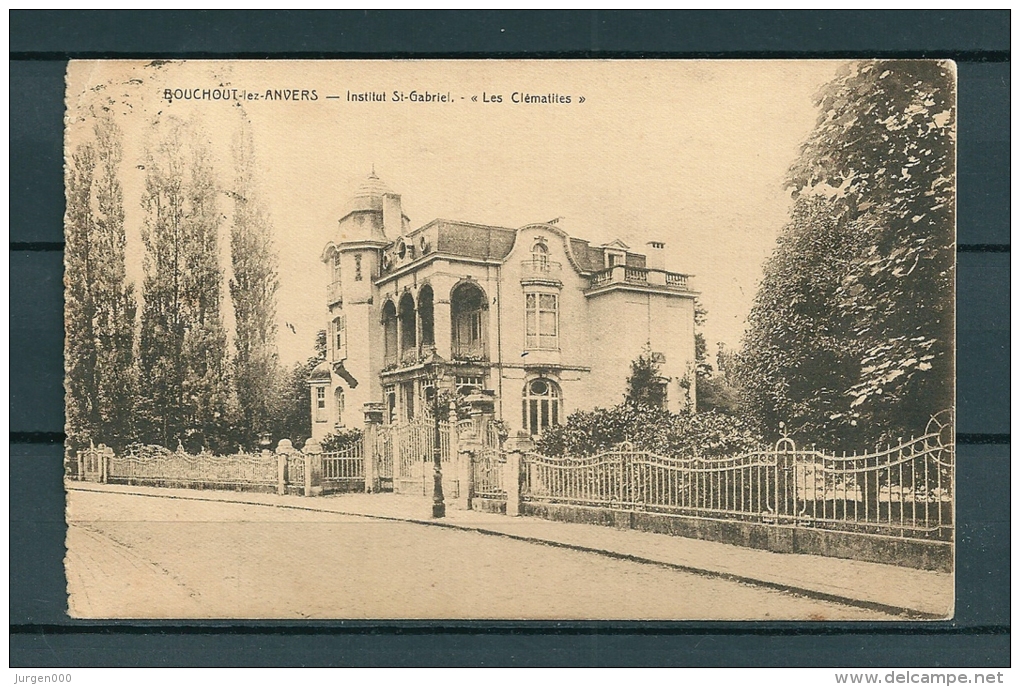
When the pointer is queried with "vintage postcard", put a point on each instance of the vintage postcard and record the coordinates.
(536, 340)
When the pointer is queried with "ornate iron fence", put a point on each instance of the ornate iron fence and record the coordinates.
(344, 470)
(405, 452)
(155, 465)
(904, 490)
(91, 466)
(487, 473)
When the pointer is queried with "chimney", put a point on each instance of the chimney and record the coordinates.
(656, 257)
(392, 215)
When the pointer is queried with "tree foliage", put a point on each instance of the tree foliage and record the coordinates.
(644, 385)
(293, 419)
(253, 287)
(184, 378)
(850, 337)
(714, 392)
(99, 300)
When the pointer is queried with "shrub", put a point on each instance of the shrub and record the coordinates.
(338, 441)
(650, 429)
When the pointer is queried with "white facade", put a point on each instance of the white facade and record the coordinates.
(544, 321)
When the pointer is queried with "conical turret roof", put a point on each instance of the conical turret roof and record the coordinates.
(368, 196)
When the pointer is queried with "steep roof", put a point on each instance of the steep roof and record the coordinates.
(588, 257)
(475, 240)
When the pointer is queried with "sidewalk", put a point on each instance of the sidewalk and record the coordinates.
(892, 589)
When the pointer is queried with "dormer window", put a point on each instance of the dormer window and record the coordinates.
(614, 258)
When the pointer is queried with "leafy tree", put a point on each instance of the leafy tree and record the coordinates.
(702, 367)
(644, 385)
(293, 419)
(798, 359)
(850, 338)
(99, 301)
(184, 377)
(726, 363)
(253, 288)
(713, 392)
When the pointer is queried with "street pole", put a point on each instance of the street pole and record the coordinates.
(438, 502)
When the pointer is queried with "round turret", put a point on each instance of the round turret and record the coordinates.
(372, 214)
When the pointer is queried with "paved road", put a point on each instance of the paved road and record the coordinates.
(137, 556)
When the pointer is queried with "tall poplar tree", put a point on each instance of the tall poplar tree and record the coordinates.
(99, 301)
(183, 372)
(253, 286)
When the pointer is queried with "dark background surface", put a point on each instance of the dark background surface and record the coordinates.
(41, 42)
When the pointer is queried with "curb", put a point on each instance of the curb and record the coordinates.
(907, 613)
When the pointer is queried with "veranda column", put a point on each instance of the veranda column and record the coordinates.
(370, 444)
(442, 324)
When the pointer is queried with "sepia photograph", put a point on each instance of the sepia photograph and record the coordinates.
(510, 339)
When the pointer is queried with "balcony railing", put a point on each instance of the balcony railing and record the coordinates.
(640, 276)
(540, 269)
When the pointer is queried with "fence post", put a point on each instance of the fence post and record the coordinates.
(370, 444)
(283, 449)
(105, 453)
(281, 470)
(468, 446)
(313, 467)
(463, 467)
(81, 466)
(516, 447)
(781, 533)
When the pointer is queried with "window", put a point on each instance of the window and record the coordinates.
(340, 338)
(661, 390)
(429, 399)
(469, 329)
(540, 255)
(357, 267)
(407, 318)
(320, 404)
(426, 316)
(336, 268)
(390, 393)
(408, 400)
(390, 332)
(467, 311)
(339, 398)
(541, 408)
(541, 321)
(615, 259)
(469, 384)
